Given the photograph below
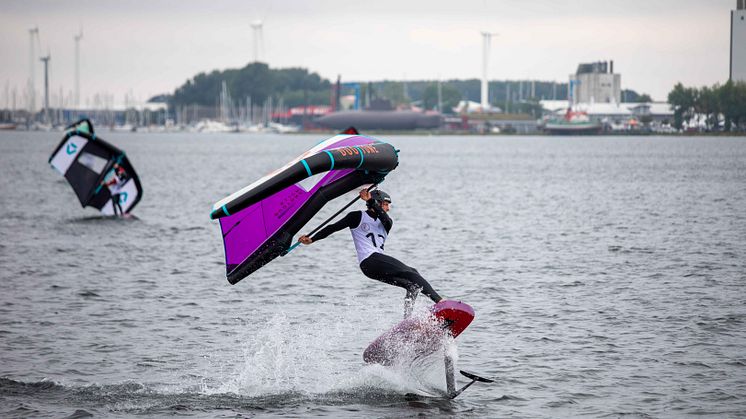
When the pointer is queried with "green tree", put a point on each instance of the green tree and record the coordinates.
(707, 103)
(393, 91)
(644, 98)
(530, 107)
(728, 101)
(294, 86)
(630, 96)
(682, 99)
(450, 97)
(739, 104)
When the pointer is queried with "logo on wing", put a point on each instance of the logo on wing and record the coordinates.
(72, 148)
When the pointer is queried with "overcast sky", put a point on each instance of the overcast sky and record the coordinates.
(151, 47)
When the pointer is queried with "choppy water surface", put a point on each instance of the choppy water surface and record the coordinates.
(607, 275)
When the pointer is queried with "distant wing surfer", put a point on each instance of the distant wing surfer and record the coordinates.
(115, 182)
(369, 229)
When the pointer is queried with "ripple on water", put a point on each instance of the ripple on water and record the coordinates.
(581, 257)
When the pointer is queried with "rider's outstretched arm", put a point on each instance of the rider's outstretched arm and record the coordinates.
(350, 220)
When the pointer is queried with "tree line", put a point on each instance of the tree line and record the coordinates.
(298, 87)
(723, 107)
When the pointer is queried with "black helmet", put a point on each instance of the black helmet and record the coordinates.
(378, 195)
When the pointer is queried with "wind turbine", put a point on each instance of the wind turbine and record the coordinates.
(33, 33)
(258, 37)
(486, 42)
(78, 37)
(45, 60)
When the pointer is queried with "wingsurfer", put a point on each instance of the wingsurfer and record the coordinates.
(369, 229)
(115, 184)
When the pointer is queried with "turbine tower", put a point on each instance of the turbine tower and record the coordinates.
(258, 38)
(78, 37)
(486, 41)
(33, 32)
(45, 60)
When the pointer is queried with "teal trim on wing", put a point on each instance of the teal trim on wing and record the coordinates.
(308, 169)
(225, 210)
(291, 248)
(361, 157)
(331, 157)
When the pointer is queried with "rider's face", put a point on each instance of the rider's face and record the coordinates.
(385, 206)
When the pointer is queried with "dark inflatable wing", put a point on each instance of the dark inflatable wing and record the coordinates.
(259, 221)
(85, 160)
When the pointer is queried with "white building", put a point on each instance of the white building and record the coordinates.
(596, 83)
(738, 42)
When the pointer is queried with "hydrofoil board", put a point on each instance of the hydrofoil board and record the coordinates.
(415, 337)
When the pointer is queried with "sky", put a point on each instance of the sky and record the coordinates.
(145, 48)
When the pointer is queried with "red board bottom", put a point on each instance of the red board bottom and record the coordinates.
(420, 336)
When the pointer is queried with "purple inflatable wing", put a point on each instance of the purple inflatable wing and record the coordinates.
(259, 221)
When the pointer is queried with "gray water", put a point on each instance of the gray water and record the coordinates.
(607, 276)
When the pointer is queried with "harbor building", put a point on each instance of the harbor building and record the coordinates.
(596, 83)
(738, 42)
(658, 116)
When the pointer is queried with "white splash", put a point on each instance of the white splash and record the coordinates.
(321, 352)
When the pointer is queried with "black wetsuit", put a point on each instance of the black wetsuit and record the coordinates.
(120, 177)
(379, 266)
(117, 206)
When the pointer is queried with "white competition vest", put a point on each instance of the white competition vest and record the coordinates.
(117, 187)
(369, 237)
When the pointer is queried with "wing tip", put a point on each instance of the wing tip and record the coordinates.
(216, 213)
